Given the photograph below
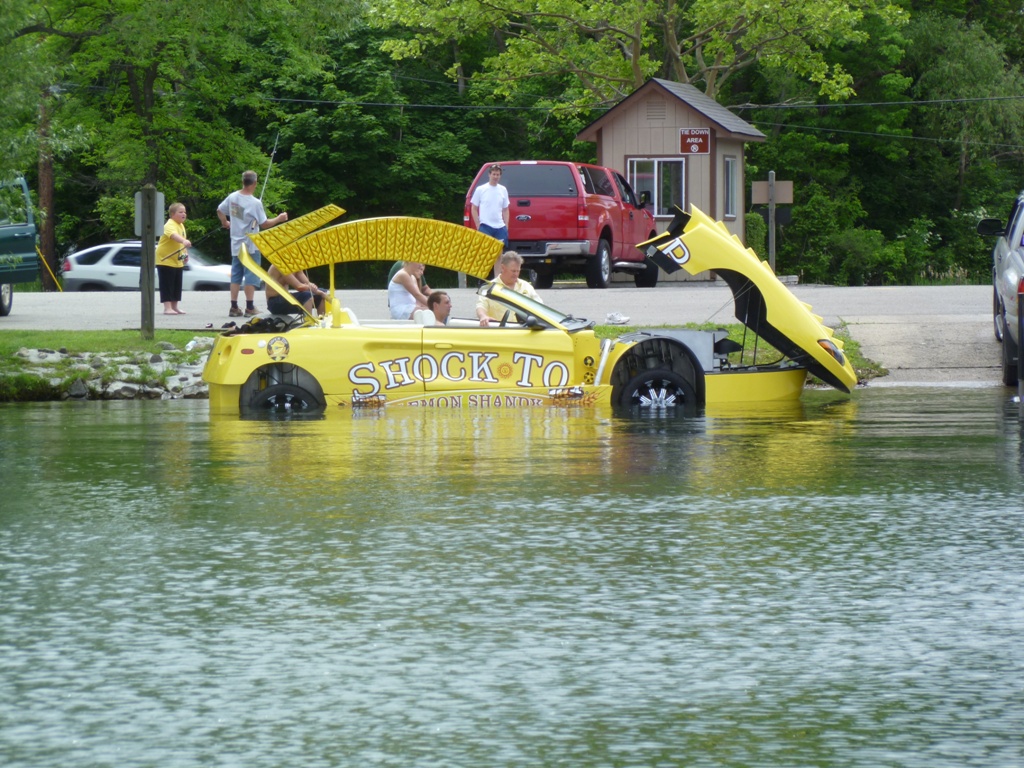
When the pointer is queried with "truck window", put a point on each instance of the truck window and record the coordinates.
(625, 190)
(12, 205)
(539, 181)
(598, 181)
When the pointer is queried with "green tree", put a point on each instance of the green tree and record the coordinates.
(159, 103)
(611, 47)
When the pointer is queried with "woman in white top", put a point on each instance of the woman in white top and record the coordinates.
(404, 294)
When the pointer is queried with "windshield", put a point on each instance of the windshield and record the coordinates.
(524, 306)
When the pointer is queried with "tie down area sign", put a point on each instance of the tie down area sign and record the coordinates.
(695, 141)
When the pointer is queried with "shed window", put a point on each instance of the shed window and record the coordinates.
(729, 186)
(661, 178)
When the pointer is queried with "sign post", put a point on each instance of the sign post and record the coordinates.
(771, 192)
(148, 208)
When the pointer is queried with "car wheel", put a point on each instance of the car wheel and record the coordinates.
(1009, 361)
(284, 398)
(6, 299)
(544, 280)
(658, 390)
(648, 278)
(998, 315)
(599, 266)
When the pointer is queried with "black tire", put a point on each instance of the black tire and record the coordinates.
(285, 398)
(659, 389)
(544, 280)
(599, 266)
(1009, 361)
(649, 277)
(6, 299)
(998, 315)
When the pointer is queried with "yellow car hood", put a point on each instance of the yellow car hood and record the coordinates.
(696, 243)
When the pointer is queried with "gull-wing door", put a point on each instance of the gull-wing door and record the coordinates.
(695, 242)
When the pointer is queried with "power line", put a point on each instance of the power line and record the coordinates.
(356, 103)
(897, 136)
(849, 104)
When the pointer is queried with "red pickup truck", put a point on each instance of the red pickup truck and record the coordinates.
(573, 217)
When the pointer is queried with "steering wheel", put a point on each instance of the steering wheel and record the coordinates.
(504, 318)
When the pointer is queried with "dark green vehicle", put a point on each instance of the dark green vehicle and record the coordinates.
(18, 262)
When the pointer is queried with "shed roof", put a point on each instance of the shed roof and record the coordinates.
(735, 127)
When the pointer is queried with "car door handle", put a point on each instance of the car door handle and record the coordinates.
(443, 346)
(23, 234)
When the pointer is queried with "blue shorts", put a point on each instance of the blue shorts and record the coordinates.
(276, 305)
(242, 276)
(498, 233)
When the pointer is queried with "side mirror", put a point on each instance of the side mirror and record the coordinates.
(991, 227)
(533, 323)
(645, 198)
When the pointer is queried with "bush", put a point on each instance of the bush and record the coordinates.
(757, 235)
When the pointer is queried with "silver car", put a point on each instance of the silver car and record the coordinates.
(1007, 273)
(115, 267)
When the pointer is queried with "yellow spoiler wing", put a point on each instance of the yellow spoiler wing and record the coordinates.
(394, 238)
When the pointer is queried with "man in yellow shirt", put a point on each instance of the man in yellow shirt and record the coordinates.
(509, 266)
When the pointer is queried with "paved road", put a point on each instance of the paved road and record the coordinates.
(935, 334)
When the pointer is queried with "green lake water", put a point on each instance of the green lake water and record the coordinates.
(838, 583)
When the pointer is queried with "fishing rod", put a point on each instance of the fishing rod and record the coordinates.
(193, 244)
(266, 178)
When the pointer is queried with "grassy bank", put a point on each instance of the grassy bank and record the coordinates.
(20, 380)
(79, 342)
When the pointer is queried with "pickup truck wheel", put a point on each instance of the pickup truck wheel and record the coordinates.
(544, 280)
(998, 315)
(648, 278)
(659, 390)
(284, 398)
(6, 299)
(599, 266)
(1010, 352)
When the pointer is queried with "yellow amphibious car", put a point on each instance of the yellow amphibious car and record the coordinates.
(537, 356)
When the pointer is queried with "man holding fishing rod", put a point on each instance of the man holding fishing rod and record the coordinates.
(242, 213)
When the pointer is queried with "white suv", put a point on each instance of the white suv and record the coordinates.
(115, 267)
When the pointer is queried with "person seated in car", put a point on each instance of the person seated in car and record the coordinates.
(440, 303)
(404, 294)
(509, 266)
(424, 288)
(306, 293)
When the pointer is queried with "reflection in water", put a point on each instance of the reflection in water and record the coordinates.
(834, 583)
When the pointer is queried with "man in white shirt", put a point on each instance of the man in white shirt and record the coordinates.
(489, 206)
(242, 212)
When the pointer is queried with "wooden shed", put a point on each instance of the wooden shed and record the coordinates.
(681, 147)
